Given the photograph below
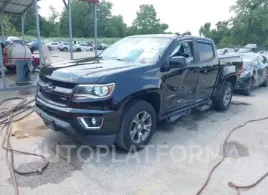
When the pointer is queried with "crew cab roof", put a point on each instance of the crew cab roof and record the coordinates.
(171, 36)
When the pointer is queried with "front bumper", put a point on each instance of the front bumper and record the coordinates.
(65, 120)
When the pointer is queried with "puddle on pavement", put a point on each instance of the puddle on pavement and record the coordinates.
(31, 126)
(240, 103)
(55, 173)
(235, 150)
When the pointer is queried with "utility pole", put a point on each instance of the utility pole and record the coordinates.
(95, 2)
(70, 29)
(95, 28)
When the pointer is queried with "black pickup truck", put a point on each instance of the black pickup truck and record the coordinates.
(119, 96)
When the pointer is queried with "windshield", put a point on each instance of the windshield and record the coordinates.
(136, 49)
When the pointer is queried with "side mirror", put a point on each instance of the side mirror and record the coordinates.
(177, 62)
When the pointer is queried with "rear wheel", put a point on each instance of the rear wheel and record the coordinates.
(225, 97)
(78, 50)
(265, 84)
(248, 90)
(65, 49)
(137, 126)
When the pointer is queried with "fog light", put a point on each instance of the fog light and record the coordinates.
(94, 121)
(91, 122)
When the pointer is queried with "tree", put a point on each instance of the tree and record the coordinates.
(147, 22)
(9, 28)
(54, 26)
(205, 30)
(83, 21)
(250, 24)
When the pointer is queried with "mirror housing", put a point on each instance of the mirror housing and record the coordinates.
(177, 62)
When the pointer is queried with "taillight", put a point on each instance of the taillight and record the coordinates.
(241, 70)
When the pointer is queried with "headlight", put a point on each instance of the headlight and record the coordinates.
(93, 91)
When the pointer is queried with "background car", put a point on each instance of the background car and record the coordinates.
(102, 46)
(21, 42)
(254, 74)
(246, 50)
(33, 46)
(53, 45)
(83, 47)
(10, 40)
(222, 51)
(65, 46)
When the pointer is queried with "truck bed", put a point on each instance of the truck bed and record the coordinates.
(236, 60)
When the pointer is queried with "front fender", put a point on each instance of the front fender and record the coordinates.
(126, 91)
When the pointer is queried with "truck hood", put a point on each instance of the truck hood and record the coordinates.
(85, 70)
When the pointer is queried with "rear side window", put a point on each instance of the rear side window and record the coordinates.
(206, 51)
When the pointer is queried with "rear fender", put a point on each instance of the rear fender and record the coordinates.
(232, 77)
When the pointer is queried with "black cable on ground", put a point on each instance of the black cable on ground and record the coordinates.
(237, 187)
(21, 110)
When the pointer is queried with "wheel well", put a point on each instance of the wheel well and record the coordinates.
(151, 98)
(232, 79)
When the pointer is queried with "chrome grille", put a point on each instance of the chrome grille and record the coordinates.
(53, 91)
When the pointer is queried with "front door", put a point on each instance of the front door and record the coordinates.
(180, 83)
(261, 69)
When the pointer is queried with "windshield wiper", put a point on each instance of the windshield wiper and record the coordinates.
(119, 59)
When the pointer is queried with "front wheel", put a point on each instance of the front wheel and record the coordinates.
(265, 84)
(225, 97)
(137, 126)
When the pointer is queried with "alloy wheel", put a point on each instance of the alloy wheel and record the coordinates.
(140, 127)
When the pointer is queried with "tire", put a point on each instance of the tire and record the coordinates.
(248, 90)
(65, 49)
(78, 50)
(128, 137)
(265, 84)
(91, 49)
(222, 103)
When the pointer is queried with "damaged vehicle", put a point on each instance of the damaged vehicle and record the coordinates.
(119, 96)
(254, 74)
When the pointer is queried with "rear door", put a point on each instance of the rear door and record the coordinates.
(180, 83)
(209, 68)
(261, 66)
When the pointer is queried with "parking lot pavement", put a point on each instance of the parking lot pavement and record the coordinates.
(177, 161)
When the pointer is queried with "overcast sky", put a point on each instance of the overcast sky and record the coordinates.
(180, 15)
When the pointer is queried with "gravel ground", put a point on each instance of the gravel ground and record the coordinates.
(177, 161)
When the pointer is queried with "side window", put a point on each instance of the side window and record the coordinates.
(261, 62)
(264, 60)
(184, 49)
(206, 51)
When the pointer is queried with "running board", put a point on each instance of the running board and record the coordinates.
(183, 111)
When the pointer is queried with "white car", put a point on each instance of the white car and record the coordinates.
(65, 46)
(83, 47)
(53, 45)
(10, 40)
